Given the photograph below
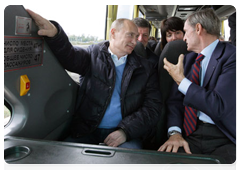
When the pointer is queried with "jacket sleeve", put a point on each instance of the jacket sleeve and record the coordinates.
(74, 59)
(142, 121)
(175, 108)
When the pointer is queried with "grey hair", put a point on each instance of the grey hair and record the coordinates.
(208, 19)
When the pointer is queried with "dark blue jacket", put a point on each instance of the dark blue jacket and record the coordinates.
(217, 97)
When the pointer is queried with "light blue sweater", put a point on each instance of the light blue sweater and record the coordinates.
(113, 113)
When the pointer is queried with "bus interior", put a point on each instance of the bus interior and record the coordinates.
(40, 95)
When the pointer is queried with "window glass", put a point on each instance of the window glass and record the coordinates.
(159, 34)
(7, 115)
(140, 15)
(125, 11)
(84, 25)
(74, 76)
(226, 31)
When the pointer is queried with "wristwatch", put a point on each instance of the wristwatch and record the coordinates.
(173, 132)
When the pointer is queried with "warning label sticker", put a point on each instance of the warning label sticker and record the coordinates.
(22, 52)
(23, 25)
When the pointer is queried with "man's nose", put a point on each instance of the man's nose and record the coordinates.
(134, 41)
(140, 38)
(184, 38)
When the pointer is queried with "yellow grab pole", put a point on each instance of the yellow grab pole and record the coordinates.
(136, 11)
(112, 15)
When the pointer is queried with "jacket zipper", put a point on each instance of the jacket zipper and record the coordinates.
(112, 88)
(123, 94)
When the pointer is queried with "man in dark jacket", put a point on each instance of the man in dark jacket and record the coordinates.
(119, 95)
(144, 29)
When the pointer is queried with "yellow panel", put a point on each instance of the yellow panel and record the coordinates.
(24, 85)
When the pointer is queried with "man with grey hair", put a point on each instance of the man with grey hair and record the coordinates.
(119, 99)
(202, 106)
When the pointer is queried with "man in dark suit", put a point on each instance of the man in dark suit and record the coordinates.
(144, 29)
(202, 115)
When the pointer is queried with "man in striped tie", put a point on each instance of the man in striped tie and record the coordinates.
(202, 105)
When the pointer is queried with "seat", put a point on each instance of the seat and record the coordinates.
(171, 51)
(45, 112)
(158, 50)
(140, 50)
(152, 45)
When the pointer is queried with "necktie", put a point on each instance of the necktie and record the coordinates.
(190, 114)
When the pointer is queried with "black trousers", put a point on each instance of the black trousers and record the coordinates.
(209, 140)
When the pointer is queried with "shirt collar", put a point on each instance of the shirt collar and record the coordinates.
(207, 51)
(120, 61)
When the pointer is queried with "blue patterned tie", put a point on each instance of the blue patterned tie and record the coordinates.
(190, 114)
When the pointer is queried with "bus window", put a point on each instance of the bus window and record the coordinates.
(78, 23)
(83, 32)
(74, 76)
(140, 14)
(226, 30)
(125, 11)
(7, 115)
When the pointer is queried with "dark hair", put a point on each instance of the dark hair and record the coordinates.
(141, 22)
(170, 24)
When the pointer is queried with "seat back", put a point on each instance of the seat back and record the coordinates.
(140, 50)
(45, 111)
(152, 45)
(171, 51)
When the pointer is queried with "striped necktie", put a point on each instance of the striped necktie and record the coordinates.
(190, 114)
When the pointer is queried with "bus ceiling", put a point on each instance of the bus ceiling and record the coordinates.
(156, 13)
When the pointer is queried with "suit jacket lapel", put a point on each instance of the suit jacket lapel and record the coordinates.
(213, 63)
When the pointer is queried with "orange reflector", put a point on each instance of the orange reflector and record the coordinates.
(24, 85)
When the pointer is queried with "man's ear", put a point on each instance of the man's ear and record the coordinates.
(113, 30)
(198, 28)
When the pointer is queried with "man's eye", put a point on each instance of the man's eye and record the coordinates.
(130, 35)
